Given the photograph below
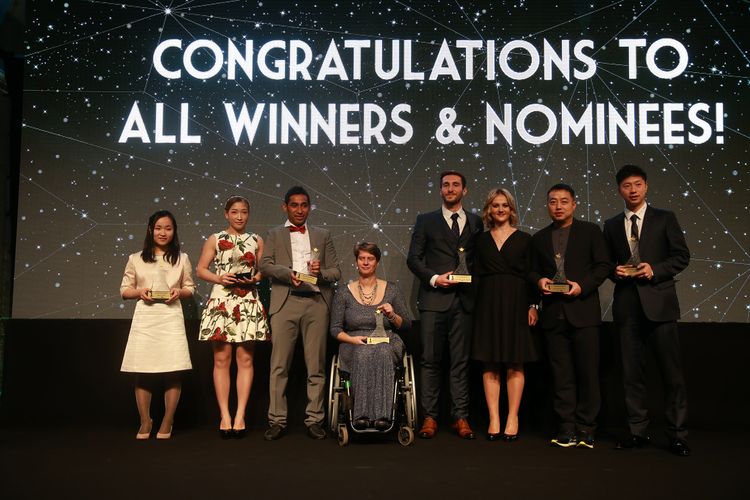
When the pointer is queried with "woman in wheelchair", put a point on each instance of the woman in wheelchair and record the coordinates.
(370, 367)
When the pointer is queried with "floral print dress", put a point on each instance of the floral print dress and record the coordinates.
(234, 314)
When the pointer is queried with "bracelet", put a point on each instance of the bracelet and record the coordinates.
(534, 306)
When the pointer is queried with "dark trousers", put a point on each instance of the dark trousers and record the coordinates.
(636, 334)
(445, 331)
(574, 358)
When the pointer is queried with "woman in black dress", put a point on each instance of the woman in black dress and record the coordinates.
(505, 309)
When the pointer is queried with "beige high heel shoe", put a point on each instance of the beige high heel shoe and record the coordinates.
(165, 435)
(145, 435)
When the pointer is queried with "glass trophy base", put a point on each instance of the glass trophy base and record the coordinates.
(630, 269)
(460, 278)
(558, 287)
(160, 295)
(306, 278)
(378, 340)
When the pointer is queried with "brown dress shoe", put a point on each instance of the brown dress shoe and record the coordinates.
(461, 426)
(429, 428)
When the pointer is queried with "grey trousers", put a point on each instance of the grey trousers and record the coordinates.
(308, 317)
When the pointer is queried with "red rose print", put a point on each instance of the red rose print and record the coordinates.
(218, 335)
(221, 309)
(239, 291)
(236, 313)
(225, 245)
(249, 257)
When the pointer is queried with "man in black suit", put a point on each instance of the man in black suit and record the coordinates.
(649, 249)
(445, 306)
(573, 252)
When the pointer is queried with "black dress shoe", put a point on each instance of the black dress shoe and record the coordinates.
(509, 438)
(273, 433)
(680, 448)
(633, 441)
(493, 436)
(361, 423)
(315, 431)
(382, 424)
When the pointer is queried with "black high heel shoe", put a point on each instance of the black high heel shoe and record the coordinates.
(238, 433)
(493, 436)
(509, 438)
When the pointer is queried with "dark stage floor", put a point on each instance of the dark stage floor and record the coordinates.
(99, 462)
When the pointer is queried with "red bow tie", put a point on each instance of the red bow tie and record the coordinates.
(297, 229)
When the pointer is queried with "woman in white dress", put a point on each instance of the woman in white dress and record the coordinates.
(157, 277)
(234, 314)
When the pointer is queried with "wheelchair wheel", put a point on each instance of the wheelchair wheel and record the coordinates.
(405, 436)
(343, 435)
(334, 395)
(410, 392)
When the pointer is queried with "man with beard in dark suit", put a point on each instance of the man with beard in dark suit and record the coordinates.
(570, 260)
(445, 305)
(649, 249)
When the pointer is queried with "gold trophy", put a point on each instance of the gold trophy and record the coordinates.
(461, 274)
(559, 281)
(631, 266)
(305, 277)
(159, 286)
(378, 335)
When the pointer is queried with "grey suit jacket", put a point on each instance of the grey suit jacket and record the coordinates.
(276, 264)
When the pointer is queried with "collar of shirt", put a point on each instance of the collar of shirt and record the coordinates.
(287, 224)
(641, 212)
(461, 217)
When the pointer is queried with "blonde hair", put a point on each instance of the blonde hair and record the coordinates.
(487, 217)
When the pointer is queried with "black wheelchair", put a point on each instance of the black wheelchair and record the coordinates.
(404, 413)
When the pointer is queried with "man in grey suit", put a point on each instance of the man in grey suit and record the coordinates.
(445, 306)
(298, 308)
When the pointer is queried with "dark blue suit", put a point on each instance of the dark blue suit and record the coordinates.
(445, 313)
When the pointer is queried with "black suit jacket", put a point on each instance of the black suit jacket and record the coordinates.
(662, 245)
(587, 263)
(434, 250)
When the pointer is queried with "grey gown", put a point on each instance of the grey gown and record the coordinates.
(371, 367)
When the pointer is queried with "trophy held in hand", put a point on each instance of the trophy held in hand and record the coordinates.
(559, 281)
(461, 274)
(378, 335)
(308, 277)
(631, 266)
(159, 286)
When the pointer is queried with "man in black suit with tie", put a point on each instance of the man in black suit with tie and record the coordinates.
(445, 306)
(571, 252)
(649, 250)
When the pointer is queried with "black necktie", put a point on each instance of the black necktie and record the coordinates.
(454, 226)
(634, 227)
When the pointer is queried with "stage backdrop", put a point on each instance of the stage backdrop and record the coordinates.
(144, 105)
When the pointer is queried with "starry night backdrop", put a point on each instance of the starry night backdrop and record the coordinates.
(85, 198)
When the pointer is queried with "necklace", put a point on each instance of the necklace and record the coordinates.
(367, 298)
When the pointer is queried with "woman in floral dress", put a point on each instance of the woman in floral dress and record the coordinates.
(234, 314)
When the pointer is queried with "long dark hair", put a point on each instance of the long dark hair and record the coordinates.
(173, 250)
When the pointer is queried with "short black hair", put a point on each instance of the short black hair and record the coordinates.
(562, 187)
(452, 172)
(630, 171)
(295, 190)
